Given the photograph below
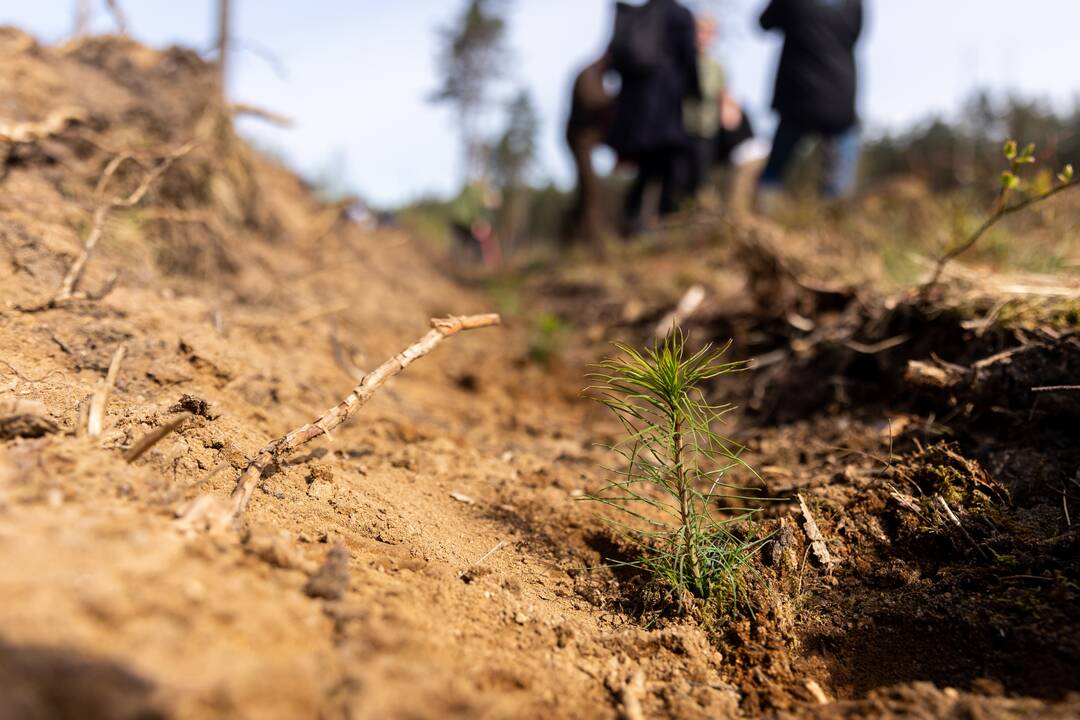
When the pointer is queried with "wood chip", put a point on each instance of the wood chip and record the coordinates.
(629, 690)
(688, 305)
(817, 692)
(817, 540)
(462, 497)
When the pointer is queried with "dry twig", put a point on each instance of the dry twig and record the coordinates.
(261, 113)
(155, 436)
(95, 421)
(335, 416)
(687, 306)
(70, 283)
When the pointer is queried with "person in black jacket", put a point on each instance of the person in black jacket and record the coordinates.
(815, 87)
(648, 121)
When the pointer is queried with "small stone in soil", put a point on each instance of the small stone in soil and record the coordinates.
(331, 580)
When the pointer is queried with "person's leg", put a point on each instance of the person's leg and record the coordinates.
(698, 165)
(785, 142)
(672, 167)
(841, 154)
(634, 198)
(650, 171)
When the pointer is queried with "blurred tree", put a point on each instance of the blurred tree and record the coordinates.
(84, 14)
(513, 155)
(512, 159)
(223, 34)
(118, 16)
(470, 57)
(82, 17)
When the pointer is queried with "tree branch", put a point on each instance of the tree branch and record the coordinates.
(1003, 211)
(441, 329)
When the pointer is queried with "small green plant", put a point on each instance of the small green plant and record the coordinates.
(547, 331)
(671, 499)
(1010, 184)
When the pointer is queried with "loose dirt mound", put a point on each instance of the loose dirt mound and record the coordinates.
(430, 559)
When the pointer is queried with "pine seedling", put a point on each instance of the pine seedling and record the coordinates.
(671, 499)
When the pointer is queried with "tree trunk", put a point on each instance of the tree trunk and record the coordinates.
(118, 16)
(82, 18)
(224, 10)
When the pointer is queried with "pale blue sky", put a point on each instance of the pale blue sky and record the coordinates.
(359, 70)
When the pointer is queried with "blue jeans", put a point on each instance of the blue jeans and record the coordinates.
(841, 156)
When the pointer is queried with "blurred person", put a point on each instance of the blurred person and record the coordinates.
(592, 111)
(654, 52)
(702, 117)
(720, 132)
(815, 90)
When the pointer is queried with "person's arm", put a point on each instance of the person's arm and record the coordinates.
(687, 42)
(775, 15)
(857, 13)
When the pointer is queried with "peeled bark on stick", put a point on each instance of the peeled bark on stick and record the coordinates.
(335, 416)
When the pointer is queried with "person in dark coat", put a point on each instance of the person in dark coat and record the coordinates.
(648, 124)
(815, 87)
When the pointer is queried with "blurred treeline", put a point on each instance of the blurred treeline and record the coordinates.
(946, 155)
(965, 152)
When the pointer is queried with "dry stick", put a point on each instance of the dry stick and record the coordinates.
(254, 111)
(1056, 388)
(440, 330)
(95, 421)
(155, 436)
(687, 306)
(101, 214)
(478, 563)
(944, 505)
(500, 545)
